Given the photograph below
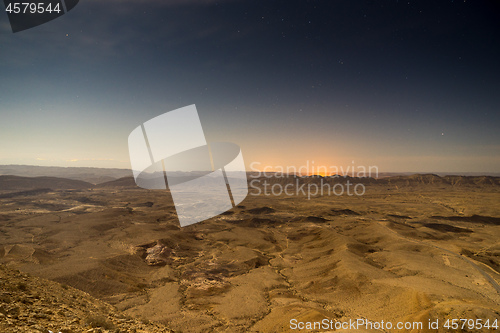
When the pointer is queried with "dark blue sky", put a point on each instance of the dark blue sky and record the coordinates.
(404, 85)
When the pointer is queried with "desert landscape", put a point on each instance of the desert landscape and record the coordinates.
(199, 166)
(111, 257)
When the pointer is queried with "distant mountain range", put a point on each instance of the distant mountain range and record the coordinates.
(90, 175)
(411, 180)
(30, 185)
(103, 175)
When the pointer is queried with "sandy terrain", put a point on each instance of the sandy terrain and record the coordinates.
(406, 253)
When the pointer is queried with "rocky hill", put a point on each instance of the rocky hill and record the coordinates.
(34, 305)
(121, 182)
(91, 175)
(31, 183)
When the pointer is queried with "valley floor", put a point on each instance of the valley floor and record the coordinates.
(414, 254)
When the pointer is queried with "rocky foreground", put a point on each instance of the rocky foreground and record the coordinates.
(31, 304)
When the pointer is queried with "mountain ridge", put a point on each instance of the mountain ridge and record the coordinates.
(19, 183)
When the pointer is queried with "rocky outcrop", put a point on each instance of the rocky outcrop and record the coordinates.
(158, 255)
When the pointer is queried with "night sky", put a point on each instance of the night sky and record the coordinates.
(408, 86)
